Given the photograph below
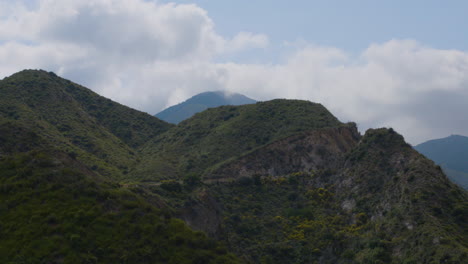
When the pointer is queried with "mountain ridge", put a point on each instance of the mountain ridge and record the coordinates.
(83, 179)
(60, 166)
(200, 102)
(217, 134)
(100, 132)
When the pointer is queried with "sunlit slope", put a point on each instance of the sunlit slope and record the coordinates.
(96, 130)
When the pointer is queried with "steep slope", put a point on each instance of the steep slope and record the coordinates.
(218, 134)
(277, 182)
(56, 208)
(200, 102)
(371, 200)
(312, 150)
(451, 153)
(101, 133)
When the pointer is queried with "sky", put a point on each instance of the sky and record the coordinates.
(400, 64)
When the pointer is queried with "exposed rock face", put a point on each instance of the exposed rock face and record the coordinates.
(313, 150)
(204, 214)
(376, 185)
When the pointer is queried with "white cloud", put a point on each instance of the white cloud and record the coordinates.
(246, 40)
(116, 32)
(417, 90)
(137, 52)
(149, 56)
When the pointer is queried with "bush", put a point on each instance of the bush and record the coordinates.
(171, 185)
(245, 181)
(257, 179)
(192, 180)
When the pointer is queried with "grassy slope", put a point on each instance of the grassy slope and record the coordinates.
(101, 133)
(221, 133)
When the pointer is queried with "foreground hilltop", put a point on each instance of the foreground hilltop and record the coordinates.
(84, 179)
(218, 134)
(97, 131)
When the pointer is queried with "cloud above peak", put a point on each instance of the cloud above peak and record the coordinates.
(400, 83)
(150, 55)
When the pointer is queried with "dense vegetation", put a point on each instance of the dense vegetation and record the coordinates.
(86, 180)
(57, 206)
(221, 133)
(53, 212)
(101, 133)
(384, 204)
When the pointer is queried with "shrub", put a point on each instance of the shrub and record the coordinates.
(171, 185)
(245, 181)
(192, 180)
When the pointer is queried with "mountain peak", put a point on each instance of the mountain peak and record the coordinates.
(31, 74)
(457, 136)
(200, 102)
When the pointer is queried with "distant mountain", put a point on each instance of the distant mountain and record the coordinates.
(200, 102)
(451, 153)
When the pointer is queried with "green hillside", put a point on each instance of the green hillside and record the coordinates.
(101, 133)
(61, 148)
(54, 210)
(380, 202)
(86, 180)
(221, 133)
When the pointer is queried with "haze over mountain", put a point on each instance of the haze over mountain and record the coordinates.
(86, 180)
(200, 102)
(452, 154)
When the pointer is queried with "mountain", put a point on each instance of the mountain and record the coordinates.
(451, 153)
(99, 132)
(86, 180)
(219, 134)
(63, 150)
(200, 102)
(329, 195)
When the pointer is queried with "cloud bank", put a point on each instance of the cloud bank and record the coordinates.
(149, 56)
